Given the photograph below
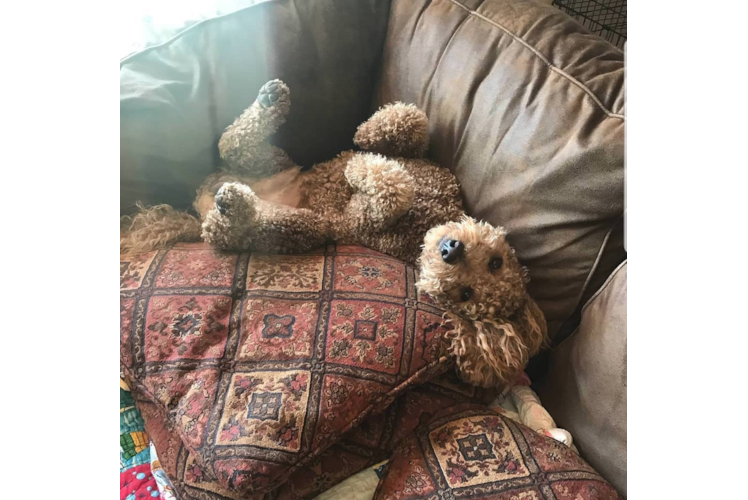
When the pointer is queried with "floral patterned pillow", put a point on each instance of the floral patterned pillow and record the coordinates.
(470, 451)
(367, 444)
(260, 363)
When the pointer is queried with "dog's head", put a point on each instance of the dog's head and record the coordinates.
(470, 269)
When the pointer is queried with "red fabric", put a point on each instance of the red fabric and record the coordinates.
(139, 482)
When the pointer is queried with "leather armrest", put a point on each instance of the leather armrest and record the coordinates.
(585, 387)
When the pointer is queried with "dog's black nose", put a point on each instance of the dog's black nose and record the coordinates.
(452, 250)
(221, 202)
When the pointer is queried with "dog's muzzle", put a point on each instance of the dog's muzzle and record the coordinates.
(451, 250)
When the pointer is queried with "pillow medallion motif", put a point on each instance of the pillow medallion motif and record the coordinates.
(470, 451)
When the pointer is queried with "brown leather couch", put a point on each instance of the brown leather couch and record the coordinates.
(526, 108)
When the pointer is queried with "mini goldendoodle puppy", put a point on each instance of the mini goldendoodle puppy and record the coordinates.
(469, 269)
(385, 197)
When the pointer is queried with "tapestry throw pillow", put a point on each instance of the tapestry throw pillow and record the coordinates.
(261, 362)
(470, 451)
(369, 443)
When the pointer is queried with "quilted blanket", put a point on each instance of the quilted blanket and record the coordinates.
(140, 473)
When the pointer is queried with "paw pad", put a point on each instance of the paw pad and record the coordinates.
(269, 94)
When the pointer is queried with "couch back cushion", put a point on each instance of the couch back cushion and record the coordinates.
(526, 107)
(176, 98)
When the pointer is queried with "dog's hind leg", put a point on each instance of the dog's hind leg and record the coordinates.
(397, 129)
(243, 145)
(383, 192)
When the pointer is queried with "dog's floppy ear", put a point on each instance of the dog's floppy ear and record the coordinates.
(532, 325)
(487, 353)
(490, 353)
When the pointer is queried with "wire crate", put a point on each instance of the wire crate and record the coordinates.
(605, 18)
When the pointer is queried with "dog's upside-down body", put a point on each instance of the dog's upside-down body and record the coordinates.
(387, 198)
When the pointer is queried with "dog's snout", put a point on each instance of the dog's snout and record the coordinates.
(451, 250)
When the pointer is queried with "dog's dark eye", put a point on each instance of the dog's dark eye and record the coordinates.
(495, 263)
(465, 294)
(215, 187)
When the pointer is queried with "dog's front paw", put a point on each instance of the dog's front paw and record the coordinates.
(274, 93)
(235, 200)
(227, 225)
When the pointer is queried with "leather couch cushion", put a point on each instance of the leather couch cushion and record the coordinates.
(526, 107)
(176, 98)
(146, 24)
(585, 390)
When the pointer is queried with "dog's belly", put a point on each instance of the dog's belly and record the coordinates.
(283, 188)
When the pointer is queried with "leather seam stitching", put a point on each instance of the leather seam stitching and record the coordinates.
(150, 48)
(598, 257)
(550, 65)
(604, 285)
